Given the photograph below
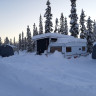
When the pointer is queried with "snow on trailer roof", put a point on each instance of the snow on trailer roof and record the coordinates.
(69, 40)
(52, 35)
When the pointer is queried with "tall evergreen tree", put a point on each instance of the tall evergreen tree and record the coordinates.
(94, 30)
(83, 29)
(0, 41)
(40, 25)
(35, 32)
(20, 42)
(56, 26)
(25, 43)
(6, 41)
(14, 42)
(74, 26)
(48, 16)
(62, 27)
(34, 28)
(66, 27)
(22, 45)
(10, 41)
(90, 38)
(29, 40)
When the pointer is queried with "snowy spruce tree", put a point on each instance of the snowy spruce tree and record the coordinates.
(62, 27)
(10, 41)
(90, 38)
(35, 32)
(83, 28)
(14, 42)
(48, 16)
(25, 43)
(73, 16)
(56, 26)
(20, 42)
(29, 40)
(0, 41)
(66, 27)
(40, 25)
(6, 41)
(94, 30)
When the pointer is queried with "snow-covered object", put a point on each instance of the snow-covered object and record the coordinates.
(29, 40)
(51, 35)
(94, 30)
(94, 52)
(90, 37)
(62, 26)
(56, 26)
(48, 16)
(76, 46)
(35, 32)
(70, 40)
(20, 42)
(63, 41)
(6, 50)
(83, 29)
(66, 26)
(73, 16)
(40, 25)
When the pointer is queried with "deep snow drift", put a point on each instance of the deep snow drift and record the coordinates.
(32, 75)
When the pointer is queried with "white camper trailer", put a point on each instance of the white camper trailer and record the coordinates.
(67, 45)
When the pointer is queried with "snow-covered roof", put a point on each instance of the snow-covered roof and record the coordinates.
(52, 35)
(69, 41)
(61, 39)
(11, 45)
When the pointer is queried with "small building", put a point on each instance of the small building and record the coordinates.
(6, 50)
(67, 45)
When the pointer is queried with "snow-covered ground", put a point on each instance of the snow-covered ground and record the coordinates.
(32, 75)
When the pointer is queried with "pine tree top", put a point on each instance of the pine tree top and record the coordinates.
(48, 2)
(73, 0)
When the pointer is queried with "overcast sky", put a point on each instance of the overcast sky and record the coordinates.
(15, 15)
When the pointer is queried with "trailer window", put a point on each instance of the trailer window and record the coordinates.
(83, 48)
(68, 49)
(53, 39)
(58, 48)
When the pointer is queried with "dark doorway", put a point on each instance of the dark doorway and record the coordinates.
(42, 45)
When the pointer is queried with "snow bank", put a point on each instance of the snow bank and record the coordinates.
(33, 75)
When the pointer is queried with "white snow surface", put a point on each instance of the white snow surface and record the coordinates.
(28, 74)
